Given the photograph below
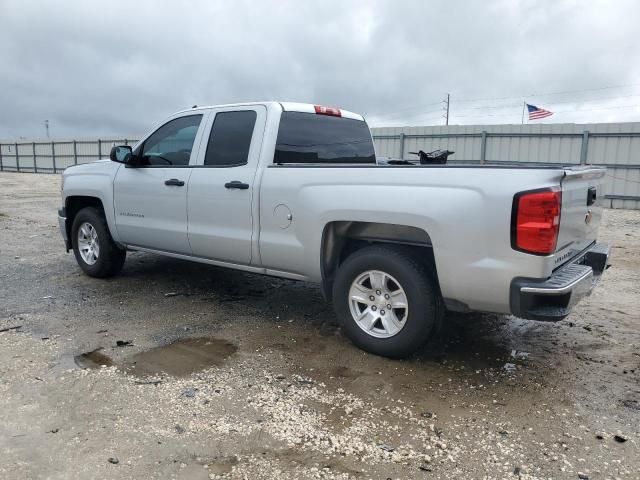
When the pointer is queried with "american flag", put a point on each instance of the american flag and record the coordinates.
(536, 113)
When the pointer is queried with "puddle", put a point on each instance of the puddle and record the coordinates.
(178, 359)
(93, 359)
(181, 358)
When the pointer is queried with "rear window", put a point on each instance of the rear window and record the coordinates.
(312, 138)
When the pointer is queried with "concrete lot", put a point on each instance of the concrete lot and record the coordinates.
(263, 385)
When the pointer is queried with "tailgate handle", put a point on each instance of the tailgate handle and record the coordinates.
(591, 196)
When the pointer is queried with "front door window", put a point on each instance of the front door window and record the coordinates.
(171, 144)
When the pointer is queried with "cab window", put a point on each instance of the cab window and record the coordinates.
(230, 139)
(313, 138)
(172, 143)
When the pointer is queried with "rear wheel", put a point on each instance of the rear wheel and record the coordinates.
(94, 249)
(387, 303)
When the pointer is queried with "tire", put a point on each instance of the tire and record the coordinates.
(421, 317)
(108, 258)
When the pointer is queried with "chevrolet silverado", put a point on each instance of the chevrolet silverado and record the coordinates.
(295, 190)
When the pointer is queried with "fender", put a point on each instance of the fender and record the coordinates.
(93, 180)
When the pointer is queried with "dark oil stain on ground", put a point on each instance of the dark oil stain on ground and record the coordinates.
(93, 359)
(181, 357)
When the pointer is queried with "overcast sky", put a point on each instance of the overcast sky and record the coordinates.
(119, 67)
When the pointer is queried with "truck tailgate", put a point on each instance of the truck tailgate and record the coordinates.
(581, 211)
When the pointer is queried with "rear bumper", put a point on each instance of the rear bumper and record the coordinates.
(62, 223)
(552, 299)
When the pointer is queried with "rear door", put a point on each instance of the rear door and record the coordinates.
(221, 192)
(581, 211)
(150, 199)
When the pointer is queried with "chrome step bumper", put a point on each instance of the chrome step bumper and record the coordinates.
(553, 298)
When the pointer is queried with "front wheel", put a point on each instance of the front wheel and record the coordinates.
(387, 303)
(94, 249)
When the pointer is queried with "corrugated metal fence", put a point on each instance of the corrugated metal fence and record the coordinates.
(614, 145)
(53, 156)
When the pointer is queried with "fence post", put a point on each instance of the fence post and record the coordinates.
(53, 155)
(1, 167)
(584, 147)
(17, 158)
(401, 146)
(99, 149)
(75, 153)
(35, 162)
(483, 148)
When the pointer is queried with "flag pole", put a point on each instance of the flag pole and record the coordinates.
(524, 102)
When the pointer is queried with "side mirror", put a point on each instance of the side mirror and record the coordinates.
(121, 153)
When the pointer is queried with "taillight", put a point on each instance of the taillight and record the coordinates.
(320, 110)
(535, 221)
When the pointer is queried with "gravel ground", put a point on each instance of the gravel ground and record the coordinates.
(261, 383)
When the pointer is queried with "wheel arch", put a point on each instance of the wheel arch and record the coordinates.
(342, 238)
(73, 204)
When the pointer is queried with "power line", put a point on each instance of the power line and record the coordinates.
(393, 115)
(416, 107)
(555, 111)
(429, 114)
(599, 108)
(400, 113)
(550, 93)
(405, 123)
(513, 105)
(503, 115)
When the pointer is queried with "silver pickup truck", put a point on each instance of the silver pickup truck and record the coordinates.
(294, 190)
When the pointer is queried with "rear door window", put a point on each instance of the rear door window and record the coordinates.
(313, 138)
(230, 139)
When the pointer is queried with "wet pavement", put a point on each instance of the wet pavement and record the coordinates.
(180, 370)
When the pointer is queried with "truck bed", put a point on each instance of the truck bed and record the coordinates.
(465, 209)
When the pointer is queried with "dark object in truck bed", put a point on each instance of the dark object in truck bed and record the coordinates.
(437, 157)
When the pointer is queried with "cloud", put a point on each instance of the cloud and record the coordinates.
(99, 68)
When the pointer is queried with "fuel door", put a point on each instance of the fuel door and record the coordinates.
(282, 216)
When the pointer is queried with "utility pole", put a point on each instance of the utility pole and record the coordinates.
(446, 110)
(46, 126)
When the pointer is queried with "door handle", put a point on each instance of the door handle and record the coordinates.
(175, 182)
(236, 184)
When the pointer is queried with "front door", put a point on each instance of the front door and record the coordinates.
(222, 203)
(150, 196)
